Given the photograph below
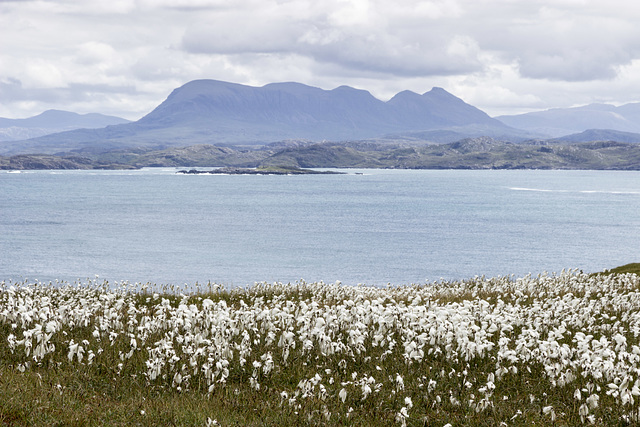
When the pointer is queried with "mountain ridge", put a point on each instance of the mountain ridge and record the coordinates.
(558, 122)
(53, 121)
(222, 113)
(213, 111)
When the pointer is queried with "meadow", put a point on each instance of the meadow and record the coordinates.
(552, 349)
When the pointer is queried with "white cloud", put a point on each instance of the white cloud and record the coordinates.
(500, 55)
(41, 75)
(93, 52)
(354, 34)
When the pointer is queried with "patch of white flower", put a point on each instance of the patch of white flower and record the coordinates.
(581, 332)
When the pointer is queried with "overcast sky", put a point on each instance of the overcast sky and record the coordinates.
(124, 57)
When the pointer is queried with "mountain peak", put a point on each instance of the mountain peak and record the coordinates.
(438, 89)
(203, 86)
(440, 93)
(349, 89)
(57, 114)
(290, 86)
(345, 88)
(405, 95)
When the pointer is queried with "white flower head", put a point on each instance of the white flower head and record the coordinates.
(343, 395)
(408, 402)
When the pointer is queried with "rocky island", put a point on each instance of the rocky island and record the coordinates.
(266, 170)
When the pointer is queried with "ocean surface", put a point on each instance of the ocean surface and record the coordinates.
(367, 226)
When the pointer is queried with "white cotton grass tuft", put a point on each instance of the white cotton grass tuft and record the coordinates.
(408, 350)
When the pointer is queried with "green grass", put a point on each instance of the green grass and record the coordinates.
(66, 397)
(623, 269)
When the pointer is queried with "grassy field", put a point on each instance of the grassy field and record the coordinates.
(559, 349)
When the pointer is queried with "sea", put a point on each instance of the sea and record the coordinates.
(366, 226)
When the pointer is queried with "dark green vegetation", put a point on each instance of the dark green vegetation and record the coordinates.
(633, 267)
(470, 153)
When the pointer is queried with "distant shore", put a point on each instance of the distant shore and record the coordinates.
(469, 153)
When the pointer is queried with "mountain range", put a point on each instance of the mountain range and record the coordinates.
(559, 122)
(53, 121)
(215, 112)
(235, 115)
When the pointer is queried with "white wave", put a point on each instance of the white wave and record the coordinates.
(608, 192)
(545, 190)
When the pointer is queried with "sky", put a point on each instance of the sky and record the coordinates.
(124, 57)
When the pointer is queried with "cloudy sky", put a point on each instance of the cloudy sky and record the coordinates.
(123, 57)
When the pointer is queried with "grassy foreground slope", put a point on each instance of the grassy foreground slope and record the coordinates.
(627, 268)
(547, 350)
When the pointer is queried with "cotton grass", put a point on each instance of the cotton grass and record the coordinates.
(559, 348)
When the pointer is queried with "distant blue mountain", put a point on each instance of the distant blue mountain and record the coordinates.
(238, 113)
(591, 135)
(53, 121)
(216, 112)
(564, 121)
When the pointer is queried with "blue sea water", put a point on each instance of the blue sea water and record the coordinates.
(374, 227)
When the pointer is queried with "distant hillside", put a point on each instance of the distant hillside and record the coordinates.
(456, 133)
(469, 153)
(215, 112)
(564, 121)
(590, 135)
(53, 121)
